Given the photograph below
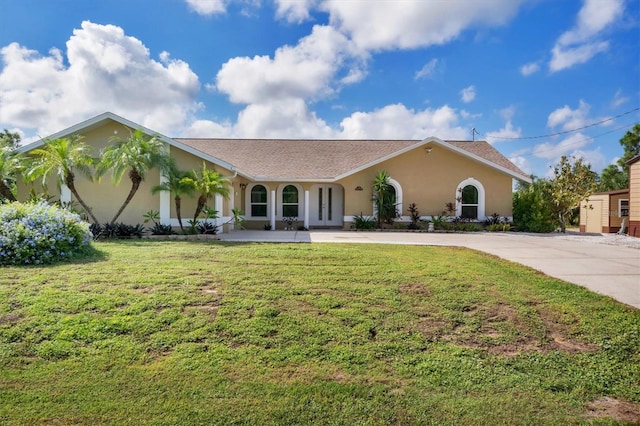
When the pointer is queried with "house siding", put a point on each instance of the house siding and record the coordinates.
(634, 199)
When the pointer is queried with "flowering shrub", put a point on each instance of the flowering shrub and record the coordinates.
(37, 233)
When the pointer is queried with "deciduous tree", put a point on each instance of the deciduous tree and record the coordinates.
(573, 181)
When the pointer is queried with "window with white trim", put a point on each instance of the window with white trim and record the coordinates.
(469, 202)
(258, 201)
(290, 201)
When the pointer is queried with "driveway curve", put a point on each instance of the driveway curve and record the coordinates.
(609, 269)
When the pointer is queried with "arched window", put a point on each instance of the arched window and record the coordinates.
(290, 201)
(469, 203)
(259, 201)
(470, 199)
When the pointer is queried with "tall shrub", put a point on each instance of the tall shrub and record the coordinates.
(40, 233)
(532, 208)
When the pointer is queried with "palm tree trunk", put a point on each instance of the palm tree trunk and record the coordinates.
(5, 191)
(135, 184)
(202, 200)
(69, 181)
(178, 202)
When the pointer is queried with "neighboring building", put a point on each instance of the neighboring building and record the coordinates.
(634, 196)
(604, 212)
(322, 183)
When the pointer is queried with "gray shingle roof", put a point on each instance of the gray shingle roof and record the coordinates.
(304, 159)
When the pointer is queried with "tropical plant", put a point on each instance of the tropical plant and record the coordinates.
(384, 199)
(40, 233)
(208, 183)
(414, 215)
(363, 222)
(178, 184)
(9, 140)
(10, 165)
(62, 158)
(135, 155)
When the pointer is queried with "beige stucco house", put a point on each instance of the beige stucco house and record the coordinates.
(321, 183)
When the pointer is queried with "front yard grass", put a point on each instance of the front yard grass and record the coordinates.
(188, 333)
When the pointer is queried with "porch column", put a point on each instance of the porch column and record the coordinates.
(232, 205)
(218, 206)
(273, 210)
(165, 198)
(306, 209)
(65, 194)
(165, 203)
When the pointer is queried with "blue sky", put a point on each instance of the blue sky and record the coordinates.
(533, 77)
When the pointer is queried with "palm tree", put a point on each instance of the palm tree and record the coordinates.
(381, 192)
(208, 183)
(10, 166)
(136, 155)
(63, 157)
(178, 186)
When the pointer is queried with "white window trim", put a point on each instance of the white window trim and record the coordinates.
(248, 203)
(301, 210)
(399, 206)
(480, 188)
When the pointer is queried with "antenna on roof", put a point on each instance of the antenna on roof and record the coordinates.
(474, 132)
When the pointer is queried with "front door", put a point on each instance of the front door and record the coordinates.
(326, 205)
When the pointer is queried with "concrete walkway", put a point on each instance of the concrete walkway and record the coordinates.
(611, 270)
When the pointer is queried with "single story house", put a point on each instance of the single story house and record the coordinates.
(320, 183)
(604, 212)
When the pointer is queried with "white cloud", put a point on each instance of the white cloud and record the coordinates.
(294, 11)
(507, 132)
(530, 68)
(107, 71)
(428, 70)
(468, 94)
(410, 24)
(594, 158)
(618, 99)
(207, 7)
(287, 118)
(398, 122)
(569, 119)
(299, 72)
(550, 150)
(579, 44)
(522, 163)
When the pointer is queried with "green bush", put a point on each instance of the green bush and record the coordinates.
(363, 222)
(532, 209)
(38, 233)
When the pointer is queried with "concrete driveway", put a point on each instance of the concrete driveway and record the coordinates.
(612, 270)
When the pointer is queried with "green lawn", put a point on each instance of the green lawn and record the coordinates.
(188, 333)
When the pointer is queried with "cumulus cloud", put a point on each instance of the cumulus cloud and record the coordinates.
(507, 132)
(398, 122)
(530, 68)
(207, 7)
(428, 70)
(569, 119)
(294, 11)
(106, 71)
(412, 24)
(579, 44)
(468, 94)
(522, 163)
(550, 150)
(298, 72)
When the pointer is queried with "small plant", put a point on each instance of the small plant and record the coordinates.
(414, 215)
(160, 229)
(206, 227)
(96, 230)
(267, 227)
(361, 222)
(152, 216)
(38, 233)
